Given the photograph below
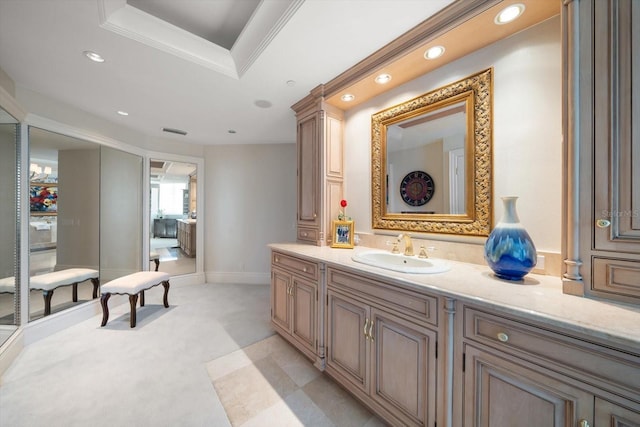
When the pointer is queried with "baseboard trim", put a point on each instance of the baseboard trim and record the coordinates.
(241, 277)
(10, 350)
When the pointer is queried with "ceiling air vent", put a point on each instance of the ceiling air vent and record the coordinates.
(176, 131)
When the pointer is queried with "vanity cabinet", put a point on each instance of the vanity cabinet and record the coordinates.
(603, 150)
(381, 346)
(516, 373)
(187, 237)
(320, 168)
(294, 303)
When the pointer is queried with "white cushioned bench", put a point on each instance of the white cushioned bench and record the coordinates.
(132, 285)
(7, 285)
(48, 282)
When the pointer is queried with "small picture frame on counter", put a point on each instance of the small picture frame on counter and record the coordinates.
(342, 233)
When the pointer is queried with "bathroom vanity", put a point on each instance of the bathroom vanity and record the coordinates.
(458, 348)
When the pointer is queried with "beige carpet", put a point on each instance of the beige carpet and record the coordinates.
(270, 383)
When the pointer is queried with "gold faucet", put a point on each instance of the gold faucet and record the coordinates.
(408, 245)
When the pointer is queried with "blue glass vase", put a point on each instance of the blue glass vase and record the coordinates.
(509, 250)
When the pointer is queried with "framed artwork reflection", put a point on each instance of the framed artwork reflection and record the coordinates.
(342, 233)
(43, 198)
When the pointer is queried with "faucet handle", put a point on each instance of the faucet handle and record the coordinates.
(423, 252)
(394, 248)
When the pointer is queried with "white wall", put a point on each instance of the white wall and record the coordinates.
(527, 131)
(251, 201)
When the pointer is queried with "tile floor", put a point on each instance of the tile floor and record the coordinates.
(270, 380)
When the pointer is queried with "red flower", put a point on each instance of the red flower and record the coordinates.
(343, 203)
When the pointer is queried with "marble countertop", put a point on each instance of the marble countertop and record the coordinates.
(538, 297)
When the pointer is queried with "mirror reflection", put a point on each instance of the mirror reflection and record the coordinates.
(64, 189)
(431, 160)
(8, 225)
(426, 162)
(173, 216)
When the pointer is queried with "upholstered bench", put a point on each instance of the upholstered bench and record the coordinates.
(7, 285)
(132, 285)
(155, 257)
(48, 282)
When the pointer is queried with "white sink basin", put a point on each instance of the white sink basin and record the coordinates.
(401, 263)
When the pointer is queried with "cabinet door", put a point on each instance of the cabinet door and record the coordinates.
(348, 350)
(611, 415)
(304, 312)
(280, 289)
(403, 368)
(501, 393)
(309, 171)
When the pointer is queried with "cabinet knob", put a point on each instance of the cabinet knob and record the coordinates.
(503, 337)
(304, 269)
(277, 259)
(603, 223)
(315, 215)
(304, 234)
(583, 423)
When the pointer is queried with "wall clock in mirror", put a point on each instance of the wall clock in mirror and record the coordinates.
(417, 188)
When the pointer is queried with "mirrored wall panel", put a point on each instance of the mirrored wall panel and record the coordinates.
(64, 217)
(173, 217)
(9, 297)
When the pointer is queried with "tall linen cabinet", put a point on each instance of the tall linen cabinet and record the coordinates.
(320, 167)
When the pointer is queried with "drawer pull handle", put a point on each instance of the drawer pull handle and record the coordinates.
(502, 337)
(603, 223)
(364, 330)
(371, 330)
(584, 423)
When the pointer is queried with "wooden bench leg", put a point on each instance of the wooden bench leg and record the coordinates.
(105, 308)
(74, 292)
(157, 261)
(47, 295)
(133, 301)
(166, 294)
(96, 284)
(142, 298)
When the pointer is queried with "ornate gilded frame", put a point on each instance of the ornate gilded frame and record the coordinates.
(477, 91)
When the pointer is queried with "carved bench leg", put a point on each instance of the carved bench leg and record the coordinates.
(74, 292)
(47, 295)
(157, 261)
(166, 294)
(96, 284)
(142, 298)
(105, 308)
(133, 301)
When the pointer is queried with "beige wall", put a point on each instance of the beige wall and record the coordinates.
(251, 202)
(78, 209)
(527, 134)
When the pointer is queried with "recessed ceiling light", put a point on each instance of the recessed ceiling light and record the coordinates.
(347, 97)
(383, 78)
(291, 82)
(176, 131)
(231, 131)
(434, 52)
(93, 56)
(123, 113)
(509, 13)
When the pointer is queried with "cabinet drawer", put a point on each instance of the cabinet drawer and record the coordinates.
(413, 304)
(304, 268)
(580, 359)
(616, 276)
(308, 234)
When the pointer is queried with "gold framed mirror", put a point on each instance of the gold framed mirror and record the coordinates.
(431, 160)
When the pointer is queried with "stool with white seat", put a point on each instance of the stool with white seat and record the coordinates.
(132, 285)
(48, 282)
